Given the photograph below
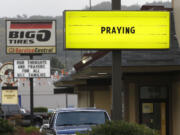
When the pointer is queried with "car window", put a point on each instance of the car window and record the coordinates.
(80, 118)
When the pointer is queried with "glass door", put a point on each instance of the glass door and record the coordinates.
(154, 108)
(154, 116)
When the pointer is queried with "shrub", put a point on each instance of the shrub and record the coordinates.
(40, 109)
(31, 130)
(27, 131)
(16, 120)
(121, 128)
(5, 127)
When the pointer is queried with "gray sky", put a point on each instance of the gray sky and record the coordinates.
(12, 8)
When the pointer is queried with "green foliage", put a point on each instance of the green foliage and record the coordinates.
(40, 109)
(121, 128)
(5, 127)
(55, 63)
(31, 129)
(27, 131)
(16, 119)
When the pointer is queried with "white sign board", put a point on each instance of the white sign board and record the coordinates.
(31, 68)
(27, 36)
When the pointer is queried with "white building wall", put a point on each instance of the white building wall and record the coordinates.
(44, 95)
(50, 101)
(72, 100)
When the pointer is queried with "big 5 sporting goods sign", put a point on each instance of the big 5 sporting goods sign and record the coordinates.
(30, 37)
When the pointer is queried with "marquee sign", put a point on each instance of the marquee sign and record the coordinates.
(29, 37)
(117, 29)
(32, 68)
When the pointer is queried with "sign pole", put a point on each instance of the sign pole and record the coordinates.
(31, 69)
(116, 76)
(28, 37)
(31, 95)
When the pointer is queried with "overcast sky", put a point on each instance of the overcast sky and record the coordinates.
(12, 8)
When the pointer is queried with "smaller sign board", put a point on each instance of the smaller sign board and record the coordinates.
(147, 108)
(30, 37)
(9, 96)
(32, 68)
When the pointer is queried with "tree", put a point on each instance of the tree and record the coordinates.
(55, 63)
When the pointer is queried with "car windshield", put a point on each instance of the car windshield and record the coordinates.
(80, 118)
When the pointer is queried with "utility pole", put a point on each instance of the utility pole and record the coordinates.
(90, 7)
(66, 95)
(31, 95)
(116, 4)
(116, 76)
(89, 4)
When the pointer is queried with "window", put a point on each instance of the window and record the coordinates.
(153, 92)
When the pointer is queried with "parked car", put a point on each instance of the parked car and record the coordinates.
(10, 110)
(72, 120)
(22, 110)
(51, 110)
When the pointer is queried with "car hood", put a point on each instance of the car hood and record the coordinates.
(73, 129)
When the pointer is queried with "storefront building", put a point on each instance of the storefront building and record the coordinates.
(151, 85)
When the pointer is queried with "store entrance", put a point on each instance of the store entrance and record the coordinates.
(154, 108)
